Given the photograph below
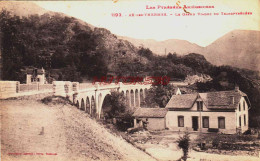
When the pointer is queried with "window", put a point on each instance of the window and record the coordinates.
(31, 79)
(205, 121)
(239, 121)
(221, 122)
(245, 120)
(239, 107)
(199, 106)
(38, 79)
(180, 121)
(244, 105)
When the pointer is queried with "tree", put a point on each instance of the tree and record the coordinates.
(159, 95)
(117, 103)
(258, 127)
(114, 106)
(146, 52)
(70, 73)
(184, 144)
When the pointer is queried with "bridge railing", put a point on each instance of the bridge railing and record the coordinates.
(62, 88)
(85, 85)
(118, 85)
(43, 87)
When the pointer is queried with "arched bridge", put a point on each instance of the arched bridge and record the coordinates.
(90, 98)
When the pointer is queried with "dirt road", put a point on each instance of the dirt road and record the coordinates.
(31, 130)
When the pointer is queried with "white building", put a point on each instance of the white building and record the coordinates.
(35, 76)
(223, 111)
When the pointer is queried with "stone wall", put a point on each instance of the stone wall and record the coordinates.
(8, 88)
(28, 87)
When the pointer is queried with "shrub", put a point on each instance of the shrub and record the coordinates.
(47, 100)
(215, 142)
(184, 144)
(134, 129)
(55, 100)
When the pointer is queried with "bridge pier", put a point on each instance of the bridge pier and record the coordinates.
(59, 88)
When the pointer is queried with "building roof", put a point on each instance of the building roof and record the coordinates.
(212, 100)
(150, 112)
(182, 101)
(177, 90)
(38, 71)
(223, 99)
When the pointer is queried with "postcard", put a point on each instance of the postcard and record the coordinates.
(130, 80)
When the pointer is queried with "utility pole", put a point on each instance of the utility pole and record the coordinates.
(1, 58)
(48, 65)
(200, 125)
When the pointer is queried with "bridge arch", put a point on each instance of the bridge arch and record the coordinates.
(142, 97)
(105, 106)
(137, 98)
(77, 104)
(128, 99)
(132, 98)
(87, 105)
(74, 98)
(82, 105)
(145, 92)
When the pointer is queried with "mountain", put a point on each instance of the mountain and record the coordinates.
(26, 8)
(238, 48)
(21, 8)
(181, 47)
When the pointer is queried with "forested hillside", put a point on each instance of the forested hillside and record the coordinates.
(72, 50)
(65, 41)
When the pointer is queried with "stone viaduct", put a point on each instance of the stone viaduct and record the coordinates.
(90, 98)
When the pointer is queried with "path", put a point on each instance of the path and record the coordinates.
(28, 126)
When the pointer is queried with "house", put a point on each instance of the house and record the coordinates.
(151, 118)
(35, 76)
(177, 91)
(223, 111)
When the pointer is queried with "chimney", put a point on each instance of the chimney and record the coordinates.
(236, 88)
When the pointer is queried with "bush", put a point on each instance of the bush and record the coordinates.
(134, 129)
(124, 123)
(47, 100)
(230, 142)
(184, 144)
(215, 142)
(55, 100)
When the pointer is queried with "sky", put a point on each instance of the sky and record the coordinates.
(201, 30)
